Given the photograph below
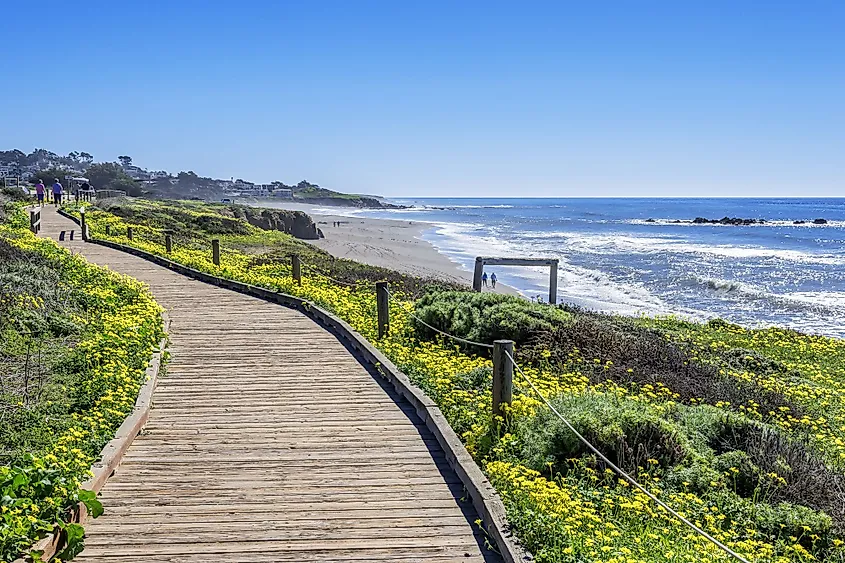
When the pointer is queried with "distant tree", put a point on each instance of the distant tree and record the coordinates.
(305, 184)
(74, 156)
(13, 156)
(86, 158)
(111, 176)
(40, 155)
(125, 160)
(48, 175)
(188, 179)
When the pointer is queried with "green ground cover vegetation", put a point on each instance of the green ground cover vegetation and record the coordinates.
(75, 340)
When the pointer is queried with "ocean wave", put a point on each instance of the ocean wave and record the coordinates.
(820, 301)
(503, 206)
(587, 287)
(622, 244)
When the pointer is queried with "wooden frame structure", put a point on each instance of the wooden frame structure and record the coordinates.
(482, 261)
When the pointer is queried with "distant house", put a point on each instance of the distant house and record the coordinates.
(137, 172)
(253, 190)
(285, 193)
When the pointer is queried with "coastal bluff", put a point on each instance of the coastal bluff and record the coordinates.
(296, 223)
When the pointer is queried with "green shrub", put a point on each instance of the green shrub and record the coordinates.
(628, 433)
(485, 317)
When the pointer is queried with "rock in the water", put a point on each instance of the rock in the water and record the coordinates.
(819, 221)
(727, 221)
(798, 222)
(650, 220)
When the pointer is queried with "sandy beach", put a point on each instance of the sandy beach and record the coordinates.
(388, 243)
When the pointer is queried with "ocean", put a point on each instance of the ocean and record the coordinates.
(628, 256)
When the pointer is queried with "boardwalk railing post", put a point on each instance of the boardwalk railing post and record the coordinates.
(476, 276)
(296, 269)
(383, 306)
(168, 243)
(502, 376)
(553, 283)
(108, 230)
(35, 221)
(129, 233)
(215, 252)
(83, 225)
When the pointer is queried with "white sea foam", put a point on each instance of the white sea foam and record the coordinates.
(821, 301)
(583, 286)
(621, 244)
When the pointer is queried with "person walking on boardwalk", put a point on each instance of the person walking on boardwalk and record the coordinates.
(493, 280)
(57, 192)
(39, 192)
(484, 279)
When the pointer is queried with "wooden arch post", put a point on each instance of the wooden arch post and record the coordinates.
(552, 263)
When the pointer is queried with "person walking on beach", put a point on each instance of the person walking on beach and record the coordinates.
(493, 280)
(57, 193)
(484, 279)
(39, 192)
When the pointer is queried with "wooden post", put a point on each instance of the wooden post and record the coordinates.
(383, 306)
(502, 375)
(296, 269)
(553, 283)
(83, 226)
(168, 243)
(129, 233)
(35, 221)
(476, 276)
(108, 230)
(215, 251)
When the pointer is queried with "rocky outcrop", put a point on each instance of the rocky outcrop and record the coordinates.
(295, 223)
(731, 221)
(728, 221)
(360, 201)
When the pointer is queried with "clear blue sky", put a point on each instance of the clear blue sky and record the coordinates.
(427, 98)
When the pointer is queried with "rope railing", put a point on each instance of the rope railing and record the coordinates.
(622, 473)
(317, 272)
(446, 334)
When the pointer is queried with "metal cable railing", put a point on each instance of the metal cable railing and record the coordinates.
(622, 473)
(619, 471)
(452, 336)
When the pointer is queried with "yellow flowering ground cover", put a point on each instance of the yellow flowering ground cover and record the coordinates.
(739, 430)
(90, 333)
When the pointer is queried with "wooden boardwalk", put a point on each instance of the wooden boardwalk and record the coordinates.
(269, 441)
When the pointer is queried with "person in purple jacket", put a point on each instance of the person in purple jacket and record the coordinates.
(39, 192)
(57, 192)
